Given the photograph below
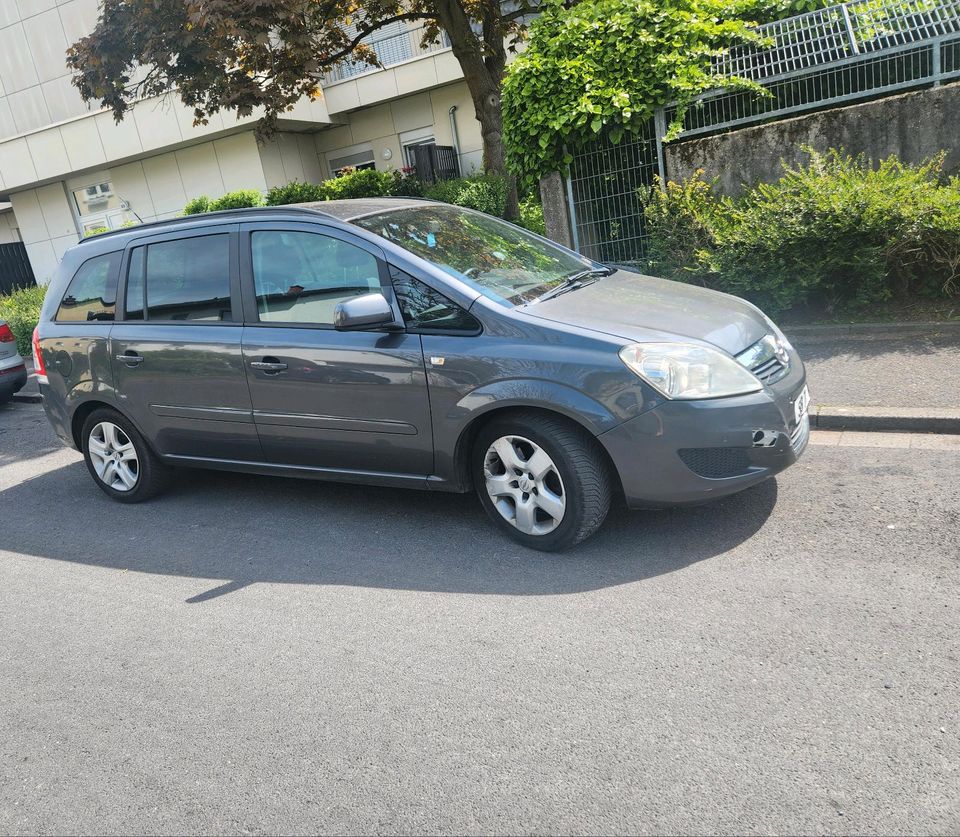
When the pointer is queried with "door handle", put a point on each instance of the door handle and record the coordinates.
(270, 367)
(130, 359)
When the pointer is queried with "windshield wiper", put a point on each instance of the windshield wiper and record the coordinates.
(573, 283)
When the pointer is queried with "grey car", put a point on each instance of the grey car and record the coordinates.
(408, 343)
(13, 371)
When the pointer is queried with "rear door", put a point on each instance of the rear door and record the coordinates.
(353, 401)
(176, 352)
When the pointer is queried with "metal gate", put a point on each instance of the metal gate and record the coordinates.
(15, 270)
(825, 58)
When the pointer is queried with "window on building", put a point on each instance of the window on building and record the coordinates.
(300, 277)
(350, 159)
(425, 309)
(183, 280)
(92, 293)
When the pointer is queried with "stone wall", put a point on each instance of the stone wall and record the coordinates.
(914, 126)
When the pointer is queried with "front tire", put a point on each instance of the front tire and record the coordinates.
(543, 480)
(119, 459)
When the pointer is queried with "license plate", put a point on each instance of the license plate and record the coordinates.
(801, 405)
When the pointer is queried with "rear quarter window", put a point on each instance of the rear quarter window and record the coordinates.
(91, 295)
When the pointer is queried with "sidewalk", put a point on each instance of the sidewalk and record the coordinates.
(879, 379)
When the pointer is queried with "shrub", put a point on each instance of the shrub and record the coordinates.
(361, 183)
(241, 199)
(483, 192)
(296, 192)
(531, 216)
(21, 310)
(835, 233)
(197, 205)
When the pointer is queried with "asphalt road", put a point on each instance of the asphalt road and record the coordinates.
(258, 655)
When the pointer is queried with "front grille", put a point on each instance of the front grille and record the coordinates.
(767, 359)
(768, 370)
(716, 463)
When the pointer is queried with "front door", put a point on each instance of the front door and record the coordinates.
(176, 352)
(346, 401)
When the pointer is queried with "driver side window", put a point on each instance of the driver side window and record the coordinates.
(300, 277)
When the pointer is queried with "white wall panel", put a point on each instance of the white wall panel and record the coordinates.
(57, 214)
(43, 260)
(163, 180)
(29, 217)
(47, 44)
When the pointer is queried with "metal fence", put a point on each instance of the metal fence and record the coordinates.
(390, 49)
(15, 270)
(821, 59)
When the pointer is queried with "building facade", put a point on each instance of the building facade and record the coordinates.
(66, 168)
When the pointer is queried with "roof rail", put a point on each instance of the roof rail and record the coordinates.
(222, 213)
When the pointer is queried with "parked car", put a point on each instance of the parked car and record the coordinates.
(414, 344)
(13, 371)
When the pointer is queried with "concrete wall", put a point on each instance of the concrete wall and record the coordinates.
(9, 232)
(382, 126)
(914, 126)
(35, 88)
(156, 187)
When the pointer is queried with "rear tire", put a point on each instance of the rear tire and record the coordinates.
(119, 459)
(542, 479)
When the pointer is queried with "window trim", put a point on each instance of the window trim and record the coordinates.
(117, 271)
(236, 308)
(251, 313)
(440, 332)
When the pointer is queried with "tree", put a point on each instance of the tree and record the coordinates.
(602, 67)
(241, 55)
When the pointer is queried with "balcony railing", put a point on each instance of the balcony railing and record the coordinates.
(390, 50)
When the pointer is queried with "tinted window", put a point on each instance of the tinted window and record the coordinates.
(92, 293)
(425, 309)
(187, 279)
(300, 276)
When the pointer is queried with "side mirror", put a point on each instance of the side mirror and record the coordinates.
(362, 312)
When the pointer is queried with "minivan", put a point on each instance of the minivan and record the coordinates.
(409, 343)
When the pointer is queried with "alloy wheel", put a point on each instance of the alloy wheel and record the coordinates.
(113, 456)
(524, 485)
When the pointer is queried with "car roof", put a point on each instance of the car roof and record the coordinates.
(340, 210)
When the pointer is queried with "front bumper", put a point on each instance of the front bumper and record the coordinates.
(691, 451)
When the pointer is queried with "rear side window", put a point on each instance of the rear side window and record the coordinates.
(183, 280)
(92, 293)
(425, 309)
(300, 277)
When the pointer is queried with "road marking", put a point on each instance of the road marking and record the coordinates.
(860, 439)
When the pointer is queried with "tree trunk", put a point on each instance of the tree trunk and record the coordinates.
(483, 75)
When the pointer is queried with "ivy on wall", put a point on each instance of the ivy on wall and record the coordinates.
(606, 65)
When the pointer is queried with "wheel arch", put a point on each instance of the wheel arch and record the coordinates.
(471, 430)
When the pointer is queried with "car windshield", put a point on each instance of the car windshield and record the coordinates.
(503, 262)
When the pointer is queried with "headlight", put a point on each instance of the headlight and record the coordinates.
(685, 371)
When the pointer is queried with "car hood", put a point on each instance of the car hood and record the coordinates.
(647, 309)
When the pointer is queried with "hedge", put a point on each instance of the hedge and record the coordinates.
(21, 310)
(837, 234)
(483, 192)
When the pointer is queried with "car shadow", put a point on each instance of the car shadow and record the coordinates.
(238, 529)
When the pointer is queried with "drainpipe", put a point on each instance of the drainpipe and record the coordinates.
(455, 136)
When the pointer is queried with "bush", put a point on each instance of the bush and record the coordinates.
(21, 310)
(483, 192)
(531, 216)
(241, 199)
(361, 183)
(296, 192)
(837, 233)
(197, 205)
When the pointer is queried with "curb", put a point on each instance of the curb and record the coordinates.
(28, 397)
(867, 330)
(886, 419)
